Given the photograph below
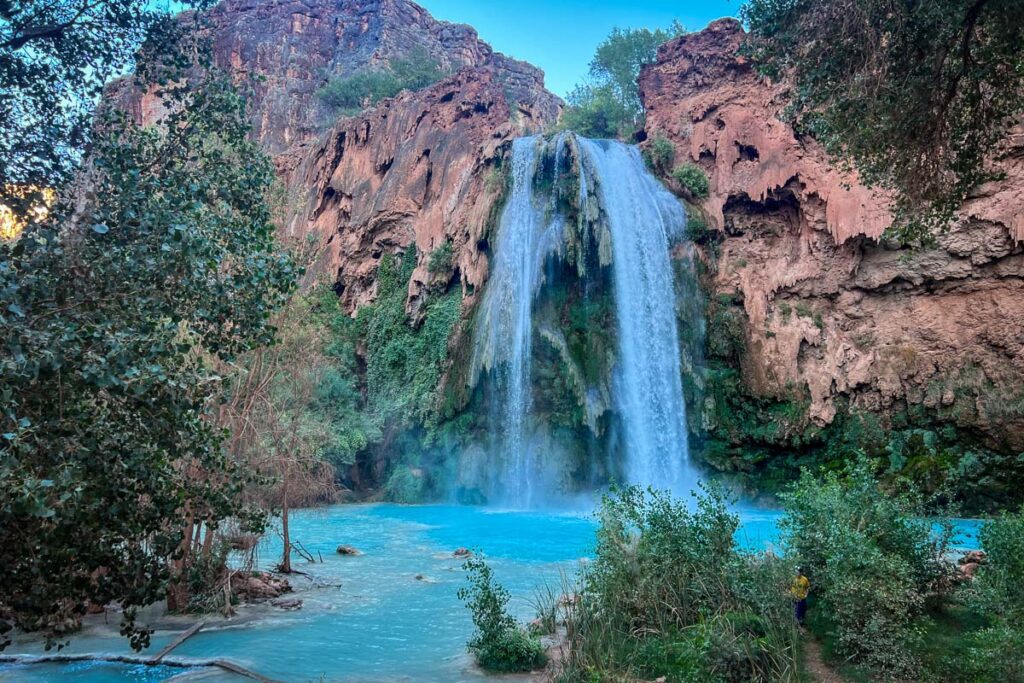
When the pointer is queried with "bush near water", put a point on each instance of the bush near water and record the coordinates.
(670, 595)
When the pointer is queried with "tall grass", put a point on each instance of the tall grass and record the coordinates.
(670, 594)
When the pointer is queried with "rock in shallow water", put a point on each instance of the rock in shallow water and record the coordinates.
(260, 586)
(348, 550)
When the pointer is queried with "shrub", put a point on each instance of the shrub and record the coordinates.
(1000, 583)
(696, 225)
(998, 593)
(993, 655)
(873, 559)
(660, 154)
(693, 179)
(440, 260)
(499, 643)
(363, 89)
(404, 486)
(670, 594)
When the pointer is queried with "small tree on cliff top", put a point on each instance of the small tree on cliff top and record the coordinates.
(608, 105)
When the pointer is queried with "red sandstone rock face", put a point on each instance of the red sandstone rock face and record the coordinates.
(408, 171)
(419, 169)
(282, 51)
(827, 307)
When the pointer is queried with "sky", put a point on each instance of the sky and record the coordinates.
(560, 36)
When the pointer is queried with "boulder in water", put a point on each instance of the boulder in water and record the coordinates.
(973, 557)
(290, 604)
(260, 586)
(462, 552)
(349, 550)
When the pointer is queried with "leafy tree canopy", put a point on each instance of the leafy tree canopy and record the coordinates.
(608, 104)
(916, 94)
(55, 59)
(115, 307)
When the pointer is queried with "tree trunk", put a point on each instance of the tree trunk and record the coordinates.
(208, 540)
(177, 591)
(286, 560)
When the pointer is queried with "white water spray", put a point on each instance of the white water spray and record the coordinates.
(643, 217)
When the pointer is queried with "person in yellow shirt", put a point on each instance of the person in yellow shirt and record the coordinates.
(799, 590)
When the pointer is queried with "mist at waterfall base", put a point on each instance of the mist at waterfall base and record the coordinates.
(585, 216)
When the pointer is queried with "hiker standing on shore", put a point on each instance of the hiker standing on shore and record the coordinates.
(799, 590)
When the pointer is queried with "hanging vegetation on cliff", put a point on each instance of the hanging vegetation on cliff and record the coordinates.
(917, 94)
(351, 94)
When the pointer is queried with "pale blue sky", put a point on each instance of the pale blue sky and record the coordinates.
(559, 36)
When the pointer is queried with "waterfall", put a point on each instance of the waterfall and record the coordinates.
(642, 217)
(505, 327)
(617, 196)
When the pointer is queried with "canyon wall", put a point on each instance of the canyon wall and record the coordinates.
(819, 334)
(281, 52)
(422, 168)
(828, 318)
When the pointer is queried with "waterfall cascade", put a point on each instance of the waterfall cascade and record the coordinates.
(571, 198)
(643, 217)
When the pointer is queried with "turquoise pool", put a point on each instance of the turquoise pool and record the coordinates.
(370, 618)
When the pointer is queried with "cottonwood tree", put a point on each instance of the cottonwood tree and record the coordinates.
(113, 311)
(608, 104)
(918, 94)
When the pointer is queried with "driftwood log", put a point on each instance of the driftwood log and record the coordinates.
(160, 660)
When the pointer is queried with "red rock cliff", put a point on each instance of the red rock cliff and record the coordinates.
(421, 168)
(281, 52)
(829, 311)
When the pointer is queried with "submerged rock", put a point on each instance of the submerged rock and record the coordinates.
(973, 557)
(462, 552)
(259, 586)
(349, 550)
(290, 604)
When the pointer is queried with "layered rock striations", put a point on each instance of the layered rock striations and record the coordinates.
(422, 168)
(826, 319)
(281, 52)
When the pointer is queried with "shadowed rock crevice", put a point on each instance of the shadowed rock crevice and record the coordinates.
(835, 321)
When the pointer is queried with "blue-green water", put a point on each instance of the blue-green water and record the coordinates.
(371, 619)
